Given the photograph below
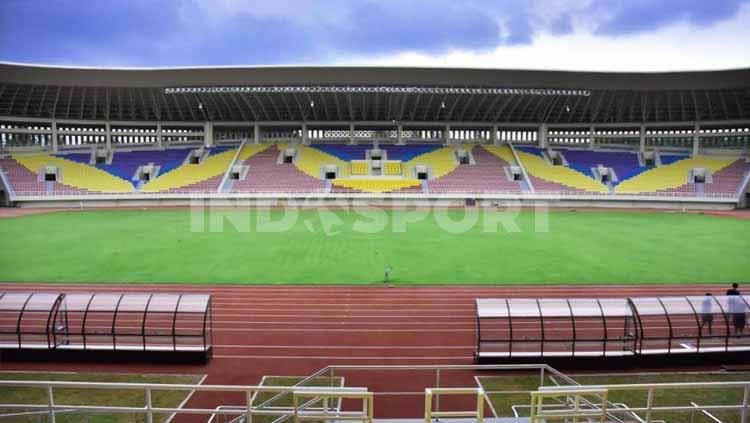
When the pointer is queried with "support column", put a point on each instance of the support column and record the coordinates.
(400, 134)
(305, 135)
(108, 137)
(592, 143)
(696, 140)
(208, 134)
(53, 126)
(352, 141)
(543, 136)
(159, 135)
(447, 135)
(256, 134)
(642, 137)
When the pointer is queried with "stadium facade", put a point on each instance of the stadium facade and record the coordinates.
(446, 136)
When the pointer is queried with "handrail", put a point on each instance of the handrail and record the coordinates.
(477, 413)
(231, 164)
(148, 410)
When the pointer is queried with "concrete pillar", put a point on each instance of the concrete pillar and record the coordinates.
(543, 136)
(696, 140)
(494, 139)
(159, 135)
(305, 135)
(400, 134)
(256, 134)
(447, 135)
(208, 134)
(53, 126)
(642, 136)
(352, 141)
(108, 136)
(591, 137)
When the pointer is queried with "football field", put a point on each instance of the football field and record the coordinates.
(337, 246)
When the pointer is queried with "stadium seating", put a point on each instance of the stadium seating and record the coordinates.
(672, 179)
(486, 176)
(312, 159)
(346, 153)
(203, 177)
(549, 179)
(405, 153)
(125, 163)
(360, 168)
(488, 173)
(625, 164)
(392, 168)
(377, 185)
(75, 177)
(265, 175)
(441, 161)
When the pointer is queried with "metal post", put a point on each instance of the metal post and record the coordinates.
(248, 411)
(427, 406)
(745, 401)
(149, 411)
(541, 373)
(480, 406)
(51, 405)
(649, 404)
(437, 385)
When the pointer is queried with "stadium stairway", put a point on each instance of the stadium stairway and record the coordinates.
(75, 177)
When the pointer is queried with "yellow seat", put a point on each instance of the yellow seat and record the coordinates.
(377, 185)
(392, 168)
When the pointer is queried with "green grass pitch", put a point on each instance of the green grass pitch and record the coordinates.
(344, 247)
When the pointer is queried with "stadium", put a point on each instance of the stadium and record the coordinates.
(290, 243)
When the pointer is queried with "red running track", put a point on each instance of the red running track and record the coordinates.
(290, 330)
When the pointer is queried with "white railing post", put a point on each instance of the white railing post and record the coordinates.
(149, 411)
(51, 404)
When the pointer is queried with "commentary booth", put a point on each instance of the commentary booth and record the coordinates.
(612, 332)
(106, 326)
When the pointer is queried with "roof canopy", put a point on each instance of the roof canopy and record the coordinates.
(147, 95)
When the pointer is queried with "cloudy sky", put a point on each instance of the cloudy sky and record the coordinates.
(612, 35)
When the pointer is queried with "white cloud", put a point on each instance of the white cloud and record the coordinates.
(680, 46)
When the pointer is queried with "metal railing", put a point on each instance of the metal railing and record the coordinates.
(645, 413)
(477, 413)
(148, 410)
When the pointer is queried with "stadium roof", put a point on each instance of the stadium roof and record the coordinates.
(344, 94)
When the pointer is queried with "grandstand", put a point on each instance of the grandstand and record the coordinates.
(580, 138)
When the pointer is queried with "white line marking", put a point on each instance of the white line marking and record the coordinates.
(303, 357)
